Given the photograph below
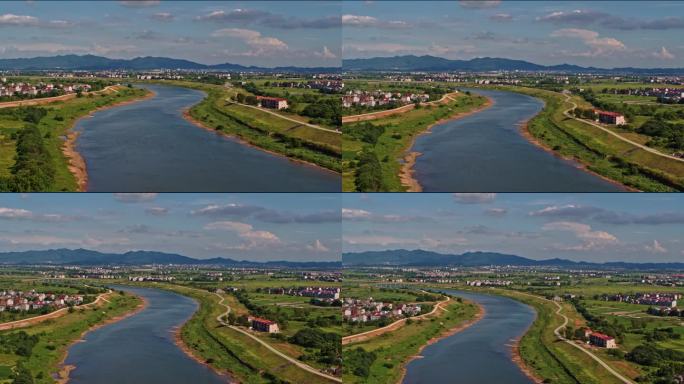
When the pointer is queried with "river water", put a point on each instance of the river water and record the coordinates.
(486, 152)
(140, 349)
(148, 146)
(480, 353)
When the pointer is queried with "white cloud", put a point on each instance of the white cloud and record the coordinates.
(15, 213)
(325, 54)
(370, 21)
(349, 213)
(317, 246)
(259, 45)
(139, 3)
(474, 198)
(163, 16)
(496, 212)
(664, 54)
(655, 247)
(479, 4)
(591, 239)
(9, 19)
(253, 239)
(598, 46)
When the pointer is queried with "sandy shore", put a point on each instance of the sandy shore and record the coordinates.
(524, 130)
(77, 165)
(406, 174)
(62, 376)
(478, 316)
(180, 343)
(192, 120)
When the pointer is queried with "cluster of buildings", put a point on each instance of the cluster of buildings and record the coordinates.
(664, 94)
(272, 102)
(32, 300)
(489, 283)
(324, 85)
(655, 299)
(380, 98)
(263, 325)
(364, 310)
(599, 339)
(151, 278)
(24, 90)
(330, 293)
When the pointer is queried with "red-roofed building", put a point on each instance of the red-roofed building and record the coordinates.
(611, 117)
(601, 340)
(272, 102)
(264, 325)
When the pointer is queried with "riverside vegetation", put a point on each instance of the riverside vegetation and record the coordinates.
(32, 138)
(372, 150)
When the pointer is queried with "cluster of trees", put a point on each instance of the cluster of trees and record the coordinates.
(358, 361)
(19, 343)
(366, 132)
(611, 328)
(662, 132)
(369, 173)
(326, 111)
(669, 361)
(327, 344)
(34, 168)
(325, 303)
(277, 315)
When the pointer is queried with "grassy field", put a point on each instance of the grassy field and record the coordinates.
(373, 150)
(56, 335)
(391, 351)
(263, 129)
(53, 127)
(599, 151)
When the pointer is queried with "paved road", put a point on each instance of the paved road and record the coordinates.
(645, 148)
(301, 365)
(287, 118)
(561, 337)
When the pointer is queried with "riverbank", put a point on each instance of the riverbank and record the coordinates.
(180, 343)
(64, 372)
(523, 128)
(407, 173)
(477, 317)
(518, 360)
(187, 116)
(76, 163)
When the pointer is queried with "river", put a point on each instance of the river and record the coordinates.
(485, 151)
(140, 349)
(480, 353)
(148, 146)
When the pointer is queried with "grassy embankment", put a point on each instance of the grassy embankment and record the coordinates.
(55, 336)
(263, 130)
(228, 350)
(53, 127)
(372, 150)
(382, 359)
(599, 151)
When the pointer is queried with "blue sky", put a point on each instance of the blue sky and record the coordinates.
(259, 227)
(592, 227)
(597, 33)
(272, 33)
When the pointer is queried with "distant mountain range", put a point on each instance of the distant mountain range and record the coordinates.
(421, 258)
(88, 257)
(429, 63)
(99, 63)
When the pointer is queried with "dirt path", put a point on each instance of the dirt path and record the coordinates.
(568, 99)
(562, 338)
(395, 111)
(288, 118)
(298, 363)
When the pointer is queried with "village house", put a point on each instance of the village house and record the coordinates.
(601, 340)
(272, 102)
(263, 325)
(613, 118)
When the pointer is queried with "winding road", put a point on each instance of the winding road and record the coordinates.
(287, 118)
(299, 364)
(402, 109)
(568, 99)
(561, 337)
